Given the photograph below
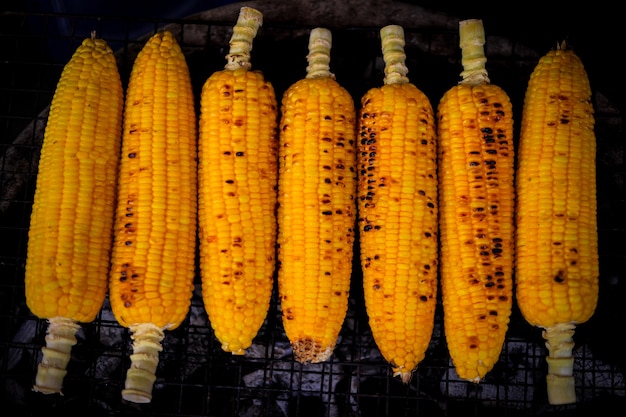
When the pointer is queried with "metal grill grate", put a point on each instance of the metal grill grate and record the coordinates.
(195, 378)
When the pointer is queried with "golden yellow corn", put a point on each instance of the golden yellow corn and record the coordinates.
(317, 207)
(237, 192)
(476, 194)
(397, 201)
(557, 244)
(153, 259)
(71, 222)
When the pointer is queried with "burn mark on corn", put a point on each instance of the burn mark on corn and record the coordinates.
(560, 276)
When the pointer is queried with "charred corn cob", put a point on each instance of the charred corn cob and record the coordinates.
(317, 208)
(557, 244)
(71, 222)
(476, 201)
(152, 271)
(397, 200)
(237, 194)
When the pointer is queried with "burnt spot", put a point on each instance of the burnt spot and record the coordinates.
(560, 276)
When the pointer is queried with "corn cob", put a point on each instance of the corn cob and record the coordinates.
(557, 244)
(476, 195)
(153, 257)
(397, 200)
(71, 223)
(237, 194)
(317, 208)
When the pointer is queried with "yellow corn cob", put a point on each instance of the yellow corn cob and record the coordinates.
(398, 227)
(71, 223)
(476, 194)
(237, 194)
(152, 270)
(557, 244)
(317, 208)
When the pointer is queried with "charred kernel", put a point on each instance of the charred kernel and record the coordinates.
(327, 213)
(132, 155)
(239, 154)
(128, 243)
(367, 228)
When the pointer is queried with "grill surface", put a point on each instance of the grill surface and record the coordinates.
(195, 378)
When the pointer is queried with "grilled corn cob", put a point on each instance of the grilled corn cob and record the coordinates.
(397, 200)
(476, 194)
(237, 194)
(317, 208)
(71, 223)
(557, 244)
(152, 270)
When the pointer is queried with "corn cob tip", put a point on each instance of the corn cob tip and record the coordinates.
(244, 32)
(404, 374)
(140, 377)
(560, 377)
(320, 44)
(392, 41)
(473, 59)
(308, 350)
(60, 338)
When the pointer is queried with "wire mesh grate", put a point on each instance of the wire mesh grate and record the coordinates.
(195, 378)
